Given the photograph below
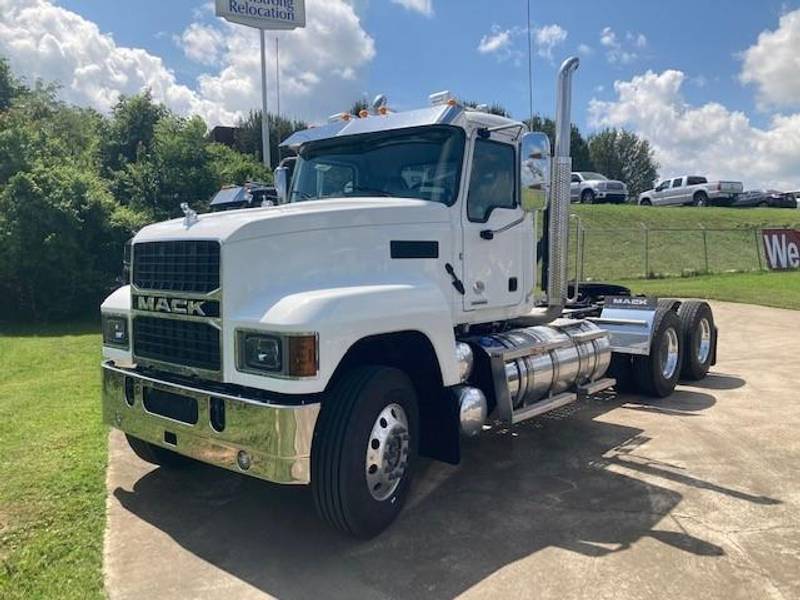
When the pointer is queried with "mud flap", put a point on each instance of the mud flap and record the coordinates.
(629, 322)
(440, 438)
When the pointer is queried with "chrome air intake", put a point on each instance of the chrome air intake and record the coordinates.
(552, 359)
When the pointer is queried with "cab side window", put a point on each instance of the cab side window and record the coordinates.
(493, 181)
(676, 183)
(576, 179)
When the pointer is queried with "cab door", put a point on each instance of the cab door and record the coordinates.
(494, 226)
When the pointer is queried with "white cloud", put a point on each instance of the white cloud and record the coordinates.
(424, 7)
(585, 49)
(45, 41)
(708, 139)
(773, 64)
(618, 52)
(547, 38)
(201, 43)
(497, 40)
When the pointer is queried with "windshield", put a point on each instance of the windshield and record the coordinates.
(423, 163)
(588, 176)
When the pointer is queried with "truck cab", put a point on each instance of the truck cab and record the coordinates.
(392, 303)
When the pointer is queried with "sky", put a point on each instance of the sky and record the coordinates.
(714, 85)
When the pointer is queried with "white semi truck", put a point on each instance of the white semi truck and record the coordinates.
(389, 306)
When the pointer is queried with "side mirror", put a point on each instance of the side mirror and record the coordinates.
(282, 184)
(534, 171)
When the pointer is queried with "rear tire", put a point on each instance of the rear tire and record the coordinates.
(657, 374)
(697, 322)
(368, 424)
(156, 455)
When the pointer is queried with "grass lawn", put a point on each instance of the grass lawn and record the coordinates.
(615, 239)
(781, 290)
(52, 470)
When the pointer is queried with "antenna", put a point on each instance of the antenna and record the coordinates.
(530, 62)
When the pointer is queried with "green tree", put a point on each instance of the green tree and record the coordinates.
(495, 108)
(248, 135)
(132, 129)
(39, 130)
(234, 168)
(620, 154)
(9, 87)
(61, 243)
(579, 148)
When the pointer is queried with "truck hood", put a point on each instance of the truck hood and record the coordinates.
(314, 215)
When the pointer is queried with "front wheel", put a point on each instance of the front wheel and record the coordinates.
(364, 449)
(645, 202)
(701, 200)
(587, 197)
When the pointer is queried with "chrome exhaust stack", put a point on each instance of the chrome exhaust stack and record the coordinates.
(555, 241)
(558, 218)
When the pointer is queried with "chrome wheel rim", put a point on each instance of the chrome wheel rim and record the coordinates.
(669, 353)
(387, 452)
(704, 347)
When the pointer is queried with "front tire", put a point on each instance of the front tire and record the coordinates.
(657, 374)
(645, 202)
(701, 200)
(364, 449)
(587, 197)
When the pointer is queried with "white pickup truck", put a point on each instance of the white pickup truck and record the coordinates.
(385, 308)
(692, 190)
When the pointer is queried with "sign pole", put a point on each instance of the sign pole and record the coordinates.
(278, 75)
(272, 15)
(264, 115)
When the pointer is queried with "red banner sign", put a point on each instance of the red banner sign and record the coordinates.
(782, 248)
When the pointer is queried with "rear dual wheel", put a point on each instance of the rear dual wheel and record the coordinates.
(657, 374)
(698, 331)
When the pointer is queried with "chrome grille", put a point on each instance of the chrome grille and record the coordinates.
(614, 185)
(193, 344)
(190, 266)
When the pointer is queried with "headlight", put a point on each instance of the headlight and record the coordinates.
(115, 331)
(277, 355)
(261, 353)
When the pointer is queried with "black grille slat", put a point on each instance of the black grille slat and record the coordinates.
(184, 343)
(190, 266)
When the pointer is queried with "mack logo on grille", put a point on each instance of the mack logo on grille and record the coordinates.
(177, 306)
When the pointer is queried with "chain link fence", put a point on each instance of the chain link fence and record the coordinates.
(645, 252)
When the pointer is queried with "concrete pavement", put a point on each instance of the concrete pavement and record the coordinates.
(694, 497)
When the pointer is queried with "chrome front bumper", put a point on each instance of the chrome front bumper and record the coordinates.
(277, 437)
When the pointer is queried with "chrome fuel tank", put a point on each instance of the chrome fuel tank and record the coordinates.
(562, 355)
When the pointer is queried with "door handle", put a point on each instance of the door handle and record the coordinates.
(488, 234)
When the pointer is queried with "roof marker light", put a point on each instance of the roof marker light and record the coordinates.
(339, 117)
(441, 98)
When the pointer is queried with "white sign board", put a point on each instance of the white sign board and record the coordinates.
(264, 14)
